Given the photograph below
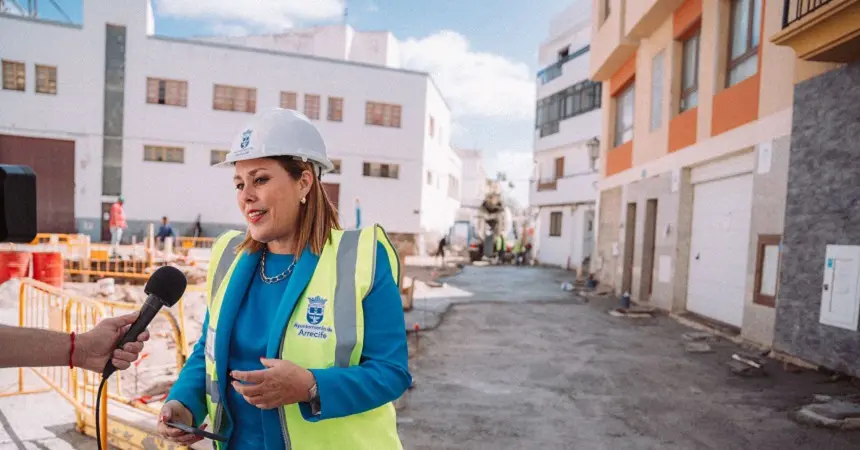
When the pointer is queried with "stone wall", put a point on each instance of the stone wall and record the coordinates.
(822, 207)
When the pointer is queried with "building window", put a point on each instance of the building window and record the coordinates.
(46, 79)
(606, 10)
(335, 109)
(657, 65)
(312, 106)
(563, 54)
(555, 223)
(429, 178)
(559, 167)
(336, 164)
(289, 100)
(767, 270)
(166, 92)
(578, 99)
(453, 187)
(233, 98)
(381, 170)
(157, 153)
(432, 127)
(624, 114)
(690, 72)
(382, 114)
(217, 156)
(744, 38)
(14, 76)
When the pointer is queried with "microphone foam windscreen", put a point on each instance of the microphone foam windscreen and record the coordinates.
(167, 283)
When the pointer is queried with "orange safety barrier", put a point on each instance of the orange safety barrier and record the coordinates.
(195, 242)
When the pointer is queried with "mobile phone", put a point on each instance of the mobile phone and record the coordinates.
(197, 431)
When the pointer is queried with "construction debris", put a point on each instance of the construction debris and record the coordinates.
(698, 347)
(747, 365)
(830, 413)
(634, 312)
(695, 336)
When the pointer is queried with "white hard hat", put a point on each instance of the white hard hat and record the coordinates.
(279, 132)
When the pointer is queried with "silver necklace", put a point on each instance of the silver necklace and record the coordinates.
(277, 278)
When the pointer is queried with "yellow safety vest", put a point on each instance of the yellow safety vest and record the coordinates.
(331, 304)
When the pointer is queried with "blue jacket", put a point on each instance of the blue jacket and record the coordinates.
(380, 378)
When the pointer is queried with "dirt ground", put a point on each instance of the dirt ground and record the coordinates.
(539, 368)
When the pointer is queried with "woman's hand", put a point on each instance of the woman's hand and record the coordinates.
(280, 383)
(173, 411)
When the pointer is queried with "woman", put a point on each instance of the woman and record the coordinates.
(304, 342)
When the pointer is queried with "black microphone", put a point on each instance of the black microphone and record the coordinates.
(164, 288)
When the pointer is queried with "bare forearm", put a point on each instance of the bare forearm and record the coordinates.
(32, 347)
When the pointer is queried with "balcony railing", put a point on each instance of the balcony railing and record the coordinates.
(554, 71)
(794, 10)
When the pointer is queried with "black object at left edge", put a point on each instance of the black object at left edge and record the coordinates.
(17, 204)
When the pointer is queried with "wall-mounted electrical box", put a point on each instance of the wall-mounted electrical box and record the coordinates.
(840, 290)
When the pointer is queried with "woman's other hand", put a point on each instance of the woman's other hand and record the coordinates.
(173, 411)
(280, 383)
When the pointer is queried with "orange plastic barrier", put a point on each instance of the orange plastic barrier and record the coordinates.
(13, 265)
(48, 268)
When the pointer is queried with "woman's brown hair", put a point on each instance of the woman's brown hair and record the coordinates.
(316, 218)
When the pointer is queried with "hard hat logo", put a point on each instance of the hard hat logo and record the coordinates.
(246, 139)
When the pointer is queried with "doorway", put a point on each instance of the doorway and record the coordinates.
(629, 248)
(106, 221)
(649, 239)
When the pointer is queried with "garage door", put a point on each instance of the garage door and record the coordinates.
(718, 252)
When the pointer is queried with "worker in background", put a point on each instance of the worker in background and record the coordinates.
(35, 347)
(518, 252)
(197, 229)
(164, 231)
(117, 224)
(500, 248)
(440, 249)
(304, 345)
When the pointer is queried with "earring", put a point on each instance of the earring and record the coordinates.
(304, 200)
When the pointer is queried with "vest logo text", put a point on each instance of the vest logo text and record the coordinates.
(314, 315)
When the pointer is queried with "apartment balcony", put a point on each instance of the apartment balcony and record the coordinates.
(576, 188)
(643, 17)
(610, 47)
(821, 30)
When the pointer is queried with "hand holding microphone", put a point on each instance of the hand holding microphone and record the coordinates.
(164, 288)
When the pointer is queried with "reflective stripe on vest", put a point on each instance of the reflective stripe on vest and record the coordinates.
(326, 329)
(221, 262)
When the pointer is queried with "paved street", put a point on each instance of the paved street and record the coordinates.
(538, 368)
(518, 363)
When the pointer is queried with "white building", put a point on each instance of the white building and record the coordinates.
(473, 185)
(123, 111)
(568, 120)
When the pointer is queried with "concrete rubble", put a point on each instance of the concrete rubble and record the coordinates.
(828, 412)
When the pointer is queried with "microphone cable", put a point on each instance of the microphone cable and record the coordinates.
(98, 410)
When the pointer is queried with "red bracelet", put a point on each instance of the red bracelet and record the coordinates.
(72, 351)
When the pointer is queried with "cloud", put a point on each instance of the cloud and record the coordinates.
(372, 7)
(263, 15)
(474, 83)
